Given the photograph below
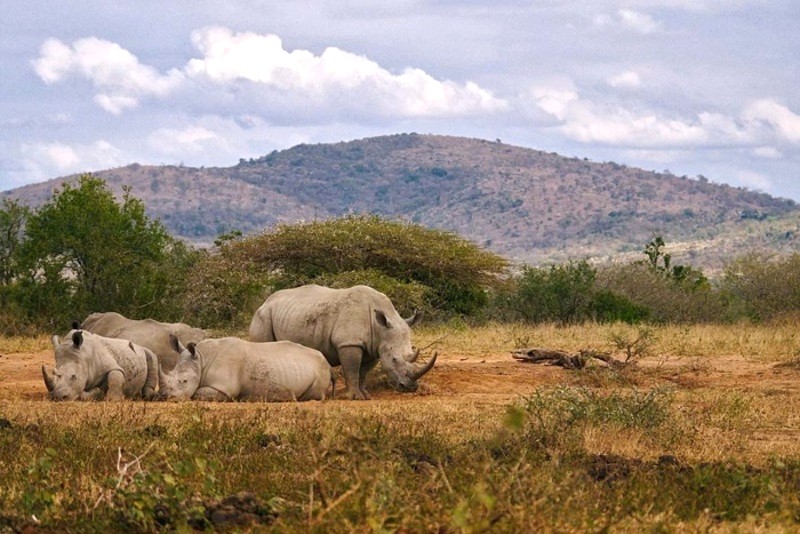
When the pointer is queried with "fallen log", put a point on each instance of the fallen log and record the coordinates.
(564, 359)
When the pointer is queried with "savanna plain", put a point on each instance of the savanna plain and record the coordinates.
(699, 432)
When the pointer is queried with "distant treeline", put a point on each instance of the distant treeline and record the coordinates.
(85, 251)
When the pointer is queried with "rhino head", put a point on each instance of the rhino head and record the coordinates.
(398, 357)
(184, 379)
(70, 375)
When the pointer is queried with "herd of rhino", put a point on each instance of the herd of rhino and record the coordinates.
(296, 336)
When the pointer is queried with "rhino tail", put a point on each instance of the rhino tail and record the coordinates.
(333, 388)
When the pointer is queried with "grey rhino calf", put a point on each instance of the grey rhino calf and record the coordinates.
(92, 367)
(355, 328)
(233, 369)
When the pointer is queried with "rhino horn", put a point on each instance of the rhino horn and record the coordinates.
(419, 373)
(414, 356)
(48, 379)
(76, 325)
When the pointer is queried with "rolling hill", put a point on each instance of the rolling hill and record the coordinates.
(525, 204)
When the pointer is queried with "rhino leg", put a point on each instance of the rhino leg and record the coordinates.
(351, 358)
(366, 367)
(115, 380)
(210, 394)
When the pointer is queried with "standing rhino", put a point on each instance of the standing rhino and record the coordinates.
(92, 367)
(145, 332)
(354, 328)
(233, 369)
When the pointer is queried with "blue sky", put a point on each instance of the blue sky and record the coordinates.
(701, 87)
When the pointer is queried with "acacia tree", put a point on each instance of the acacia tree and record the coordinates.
(84, 251)
(417, 267)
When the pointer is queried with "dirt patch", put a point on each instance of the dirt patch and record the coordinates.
(494, 376)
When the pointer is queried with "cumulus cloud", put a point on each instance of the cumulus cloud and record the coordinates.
(57, 158)
(638, 22)
(612, 124)
(754, 180)
(118, 76)
(192, 139)
(626, 80)
(630, 20)
(260, 67)
(554, 101)
(783, 120)
(335, 75)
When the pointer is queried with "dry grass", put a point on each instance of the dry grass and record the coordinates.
(702, 434)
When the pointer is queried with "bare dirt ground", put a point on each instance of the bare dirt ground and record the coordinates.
(493, 376)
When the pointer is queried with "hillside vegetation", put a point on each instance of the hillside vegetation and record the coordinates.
(524, 204)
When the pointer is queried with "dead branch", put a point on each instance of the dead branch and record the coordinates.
(562, 358)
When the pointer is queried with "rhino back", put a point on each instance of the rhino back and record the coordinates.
(323, 318)
(148, 333)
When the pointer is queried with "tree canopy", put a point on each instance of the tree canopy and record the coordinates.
(84, 251)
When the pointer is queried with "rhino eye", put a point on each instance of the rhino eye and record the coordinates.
(73, 378)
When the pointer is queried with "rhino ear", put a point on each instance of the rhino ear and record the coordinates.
(56, 340)
(193, 349)
(414, 319)
(76, 325)
(77, 339)
(175, 344)
(382, 320)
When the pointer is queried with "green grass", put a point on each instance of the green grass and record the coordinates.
(408, 466)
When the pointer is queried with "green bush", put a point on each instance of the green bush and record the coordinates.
(223, 291)
(84, 251)
(763, 287)
(566, 294)
(419, 268)
(654, 296)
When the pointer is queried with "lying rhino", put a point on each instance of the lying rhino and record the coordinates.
(145, 332)
(233, 369)
(354, 328)
(92, 367)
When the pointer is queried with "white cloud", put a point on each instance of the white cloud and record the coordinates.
(628, 80)
(118, 76)
(638, 22)
(767, 152)
(192, 139)
(754, 180)
(59, 155)
(610, 124)
(554, 101)
(57, 158)
(784, 121)
(272, 77)
(628, 19)
(333, 76)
